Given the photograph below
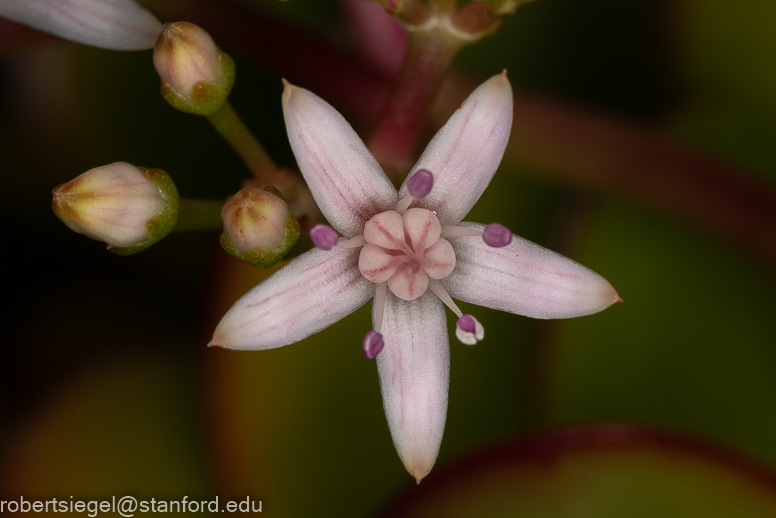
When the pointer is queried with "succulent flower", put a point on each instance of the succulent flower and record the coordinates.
(410, 253)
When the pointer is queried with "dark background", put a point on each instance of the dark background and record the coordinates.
(106, 385)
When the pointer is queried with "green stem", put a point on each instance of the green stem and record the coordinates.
(231, 127)
(198, 215)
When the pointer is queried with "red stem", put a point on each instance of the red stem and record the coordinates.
(396, 135)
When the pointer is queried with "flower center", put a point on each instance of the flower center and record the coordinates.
(405, 250)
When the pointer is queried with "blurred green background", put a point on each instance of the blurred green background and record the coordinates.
(107, 387)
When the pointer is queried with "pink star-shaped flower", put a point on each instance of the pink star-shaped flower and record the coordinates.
(410, 253)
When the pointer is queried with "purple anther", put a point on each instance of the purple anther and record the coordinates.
(323, 236)
(372, 344)
(467, 324)
(468, 330)
(497, 235)
(420, 183)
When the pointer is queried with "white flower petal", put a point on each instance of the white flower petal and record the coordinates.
(526, 279)
(313, 291)
(344, 178)
(465, 153)
(110, 24)
(414, 368)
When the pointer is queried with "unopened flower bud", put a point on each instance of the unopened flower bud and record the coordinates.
(128, 207)
(258, 226)
(196, 75)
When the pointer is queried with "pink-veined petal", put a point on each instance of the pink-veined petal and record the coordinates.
(414, 368)
(465, 153)
(439, 259)
(344, 178)
(377, 264)
(407, 283)
(312, 292)
(386, 230)
(110, 24)
(422, 227)
(526, 279)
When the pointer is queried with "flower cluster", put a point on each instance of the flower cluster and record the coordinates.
(408, 251)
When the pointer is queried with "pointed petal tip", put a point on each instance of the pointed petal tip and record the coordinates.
(503, 79)
(287, 89)
(344, 178)
(465, 153)
(526, 279)
(607, 297)
(420, 472)
(614, 297)
(213, 343)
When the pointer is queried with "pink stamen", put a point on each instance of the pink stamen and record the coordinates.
(372, 344)
(420, 183)
(353, 242)
(497, 235)
(455, 231)
(437, 289)
(468, 330)
(403, 204)
(323, 236)
(467, 324)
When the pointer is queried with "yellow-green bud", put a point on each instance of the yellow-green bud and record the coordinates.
(258, 226)
(196, 75)
(128, 207)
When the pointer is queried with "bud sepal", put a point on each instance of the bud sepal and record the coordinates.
(259, 228)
